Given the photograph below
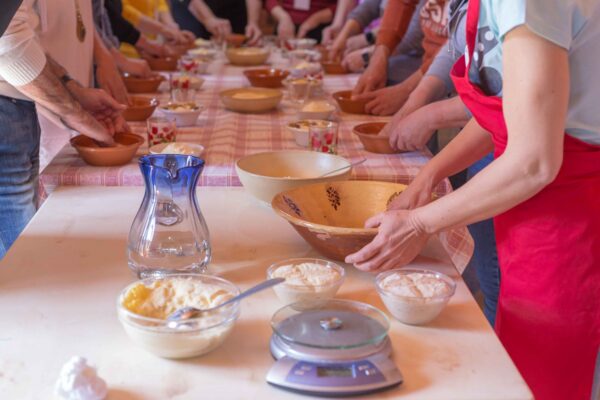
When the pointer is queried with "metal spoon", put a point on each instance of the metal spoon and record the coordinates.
(192, 312)
(347, 166)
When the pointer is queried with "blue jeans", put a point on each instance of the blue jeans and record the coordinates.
(485, 256)
(19, 167)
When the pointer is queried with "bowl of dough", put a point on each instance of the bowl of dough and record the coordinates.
(307, 280)
(415, 296)
(247, 56)
(144, 306)
(251, 100)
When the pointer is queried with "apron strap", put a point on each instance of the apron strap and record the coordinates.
(472, 22)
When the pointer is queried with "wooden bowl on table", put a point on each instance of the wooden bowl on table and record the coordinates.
(142, 85)
(247, 56)
(235, 39)
(333, 67)
(141, 108)
(251, 100)
(166, 63)
(94, 154)
(266, 174)
(331, 216)
(266, 77)
(344, 99)
(369, 137)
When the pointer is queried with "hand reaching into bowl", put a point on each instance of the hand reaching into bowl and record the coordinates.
(253, 33)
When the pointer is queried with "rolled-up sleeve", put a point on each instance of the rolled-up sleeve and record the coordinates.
(22, 59)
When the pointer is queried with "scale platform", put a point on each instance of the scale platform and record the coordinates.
(340, 349)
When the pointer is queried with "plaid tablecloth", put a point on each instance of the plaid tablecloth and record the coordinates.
(228, 136)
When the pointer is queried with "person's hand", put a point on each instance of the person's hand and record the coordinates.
(338, 48)
(398, 241)
(356, 42)
(137, 67)
(411, 132)
(102, 107)
(354, 61)
(375, 76)
(253, 33)
(417, 194)
(286, 29)
(110, 79)
(386, 101)
(152, 48)
(188, 36)
(219, 28)
(329, 34)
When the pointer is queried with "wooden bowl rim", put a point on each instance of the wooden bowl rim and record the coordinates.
(138, 142)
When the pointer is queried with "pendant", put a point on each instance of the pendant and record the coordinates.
(80, 30)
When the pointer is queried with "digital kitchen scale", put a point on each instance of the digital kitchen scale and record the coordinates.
(334, 348)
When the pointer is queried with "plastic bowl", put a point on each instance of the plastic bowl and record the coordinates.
(141, 108)
(92, 153)
(304, 294)
(412, 309)
(197, 336)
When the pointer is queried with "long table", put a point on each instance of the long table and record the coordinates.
(59, 284)
(228, 136)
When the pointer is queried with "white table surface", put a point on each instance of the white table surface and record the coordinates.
(59, 283)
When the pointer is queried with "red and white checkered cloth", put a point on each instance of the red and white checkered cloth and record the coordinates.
(228, 136)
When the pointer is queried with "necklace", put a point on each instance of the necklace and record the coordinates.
(80, 30)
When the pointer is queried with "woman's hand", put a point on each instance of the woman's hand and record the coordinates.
(253, 33)
(417, 194)
(354, 61)
(218, 27)
(356, 42)
(399, 240)
(285, 28)
(375, 76)
(412, 132)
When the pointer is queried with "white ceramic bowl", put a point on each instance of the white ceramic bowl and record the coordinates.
(324, 112)
(194, 149)
(266, 174)
(413, 309)
(183, 117)
(290, 293)
(300, 129)
(204, 53)
(302, 43)
(197, 337)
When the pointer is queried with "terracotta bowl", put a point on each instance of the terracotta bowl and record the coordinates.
(181, 49)
(266, 174)
(247, 56)
(162, 63)
(93, 154)
(333, 67)
(330, 216)
(142, 85)
(344, 99)
(266, 77)
(235, 39)
(369, 136)
(141, 108)
(251, 100)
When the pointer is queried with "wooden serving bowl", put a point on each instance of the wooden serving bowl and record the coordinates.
(93, 154)
(266, 174)
(368, 134)
(142, 85)
(251, 100)
(344, 99)
(331, 216)
(266, 77)
(247, 56)
(141, 108)
(333, 67)
(235, 39)
(166, 63)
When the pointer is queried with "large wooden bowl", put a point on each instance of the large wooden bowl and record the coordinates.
(247, 56)
(93, 154)
(141, 108)
(344, 99)
(368, 134)
(266, 77)
(142, 85)
(331, 216)
(251, 100)
(266, 174)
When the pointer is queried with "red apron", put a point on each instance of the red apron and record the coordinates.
(548, 315)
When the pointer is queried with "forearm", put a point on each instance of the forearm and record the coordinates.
(200, 11)
(449, 113)
(351, 28)
(101, 53)
(428, 90)
(166, 18)
(321, 17)
(341, 12)
(149, 26)
(395, 22)
(279, 14)
(253, 8)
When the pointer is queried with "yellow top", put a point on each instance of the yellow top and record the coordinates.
(133, 10)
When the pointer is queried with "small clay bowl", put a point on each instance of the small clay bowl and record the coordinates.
(344, 99)
(142, 85)
(333, 67)
(141, 108)
(369, 136)
(94, 154)
(266, 77)
(167, 63)
(235, 39)
(181, 49)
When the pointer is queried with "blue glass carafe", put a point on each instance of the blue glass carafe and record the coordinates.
(169, 234)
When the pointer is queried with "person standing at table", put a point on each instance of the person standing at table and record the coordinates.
(219, 18)
(28, 75)
(528, 77)
(301, 18)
